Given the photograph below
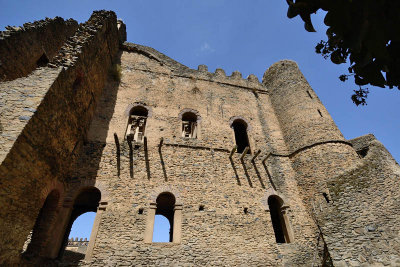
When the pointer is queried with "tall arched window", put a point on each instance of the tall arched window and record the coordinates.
(189, 125)
(279, 220)
(242, 140)
(44, 222)
(136, 124)
(165, 208)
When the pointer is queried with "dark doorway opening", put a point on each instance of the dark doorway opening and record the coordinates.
(42, 61)
(42, 228)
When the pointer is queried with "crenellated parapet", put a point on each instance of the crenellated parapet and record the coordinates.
(235, 79)
(202, 73)
(33, 45)
(77, 242)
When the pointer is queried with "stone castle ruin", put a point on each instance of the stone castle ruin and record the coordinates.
(247, 173)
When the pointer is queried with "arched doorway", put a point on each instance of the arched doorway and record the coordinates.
(86, 201)
(38, 239)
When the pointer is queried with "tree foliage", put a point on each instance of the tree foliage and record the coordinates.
(364, 32)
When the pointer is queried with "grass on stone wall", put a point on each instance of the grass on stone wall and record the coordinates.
(116, 72)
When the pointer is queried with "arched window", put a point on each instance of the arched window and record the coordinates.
(242, 140)
(279, 220)
(189, 125)
(87, 201)
(136, 124)
(40, 233)
(165, 209)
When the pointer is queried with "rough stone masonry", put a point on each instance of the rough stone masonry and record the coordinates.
(247, 173)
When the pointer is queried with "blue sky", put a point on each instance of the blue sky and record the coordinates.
(247, 36)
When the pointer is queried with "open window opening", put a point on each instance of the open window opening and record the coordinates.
(319, 111)
(164, 218)
(78, 239)
(81, 221)
(136, 124)
(36, 242)
(189, 125)
(326, 197)
(42, 61)
(309, 94)
(242, 140)
(362, 153)
(279, 220)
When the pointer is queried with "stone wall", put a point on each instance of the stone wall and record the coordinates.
(38, 160)
(63, 134)
(316, 146)
(197, 171)
(360, 224)
(23, 49)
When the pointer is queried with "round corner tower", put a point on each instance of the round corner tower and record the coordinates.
(316, 146)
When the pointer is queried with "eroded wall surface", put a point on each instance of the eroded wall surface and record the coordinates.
(47, 115)
(25, 48)
(361, 222)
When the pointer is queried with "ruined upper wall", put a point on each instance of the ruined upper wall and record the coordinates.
(23, 49)
(48, 138)
(360, 224)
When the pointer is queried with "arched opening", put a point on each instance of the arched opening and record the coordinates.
(86, 202)
(39, 236)
(42, 61)
(82, 226)
(136, 124)
(278, 220)
(165, 208)
(242, 140)
(189, 125)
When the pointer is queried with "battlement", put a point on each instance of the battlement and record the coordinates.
(202, 73)
(77, 242)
